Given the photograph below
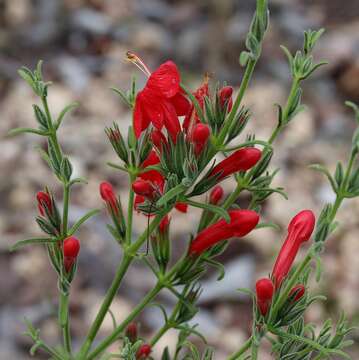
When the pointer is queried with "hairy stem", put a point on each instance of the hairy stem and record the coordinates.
(242, 350)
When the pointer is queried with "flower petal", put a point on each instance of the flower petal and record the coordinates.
(140, 120)
(165, 80)
(181, 104)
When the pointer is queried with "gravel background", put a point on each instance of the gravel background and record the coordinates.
(83, 44)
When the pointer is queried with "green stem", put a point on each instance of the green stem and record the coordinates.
(110, 339)
(244, 85)
(242, 350)
(112, 291)
(64, 321)
(288, 106)
(130, 212)
(65, 214)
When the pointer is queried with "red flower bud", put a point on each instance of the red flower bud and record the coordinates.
(44, 200)
(216, 195)
(131, 332)
(152, 175)
(299, 291)
(264, 291)
(182, 207)
(144, 351)
(199, 137)
(108, 195)
(241, 160)
(139, 199)
(242, 222)
(71, 248)
(165, 222)
(225, 97)
(299, 230)
(144, 188)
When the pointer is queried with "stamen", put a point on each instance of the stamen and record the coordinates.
(137, 61)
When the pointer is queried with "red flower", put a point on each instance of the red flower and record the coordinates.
(299, 230)
(144, 188)
(199, 136)
(299, 291)
(225, 98)
(139, 199)
(44, 200)
(181, 207)
(164, 224)
(264, 291)
(144, 351)
(153, 176)
(241, 160)
(108, 195)
(192, 117)
(71, 248)
(161, 102)
(242, 222)
(216, 195)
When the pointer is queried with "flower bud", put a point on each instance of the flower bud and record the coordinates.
(181, 207)
(152, 175)
(131, 332)
(199, 137)
(225, 98)
(299, 230)
(144, 188)
(44, 201)
(216, 195)
(242, 222)
(144, 351)
(71, 248)
(298, 292)
(240, 160)
(264, 291)
(108, 195)
(164, 224)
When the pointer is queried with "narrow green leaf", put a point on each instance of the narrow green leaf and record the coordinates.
(171, 194)
(17, 131)
(212, 208)
(64, 112)
(31, 241)
(84, 218)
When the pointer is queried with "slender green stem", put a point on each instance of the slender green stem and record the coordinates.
(51, 352)
(64, 320)
(112, 291)
(65, 214)
(244, 85)
(110, 339)
(130, 211)
(242, 350)
(160, 333)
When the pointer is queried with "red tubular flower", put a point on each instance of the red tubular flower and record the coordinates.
(181, 207)
(161, 101)
(108, 195)
(144, 188)
(264, 291)
(192, 117)
(241, 160)
(242, 222)
(153, 176)
(299, 230)
(44, 200)
(165, 222)
(139, 199)
(216, 195)
(299, 291)
(71, 248)
(199, 136)
(144, 351)
(225, 98)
